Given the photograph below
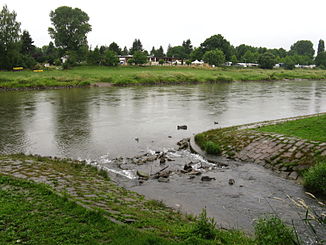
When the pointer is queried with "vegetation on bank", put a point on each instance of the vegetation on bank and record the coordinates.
(80, 205)
(310, 162)
(149, 75)
(312, 128)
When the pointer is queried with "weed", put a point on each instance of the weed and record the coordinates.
(272, 231)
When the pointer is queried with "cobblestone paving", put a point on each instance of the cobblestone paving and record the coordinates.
(87, 186)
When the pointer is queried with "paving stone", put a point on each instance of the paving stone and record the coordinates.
(293, 175)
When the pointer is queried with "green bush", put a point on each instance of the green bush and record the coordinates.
(272, 231)
(212, 148)
(315, 178)
(204, 227)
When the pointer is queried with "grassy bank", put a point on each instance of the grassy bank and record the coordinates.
(290, 148)
(90, 209)
(88, 75)
(313, 128)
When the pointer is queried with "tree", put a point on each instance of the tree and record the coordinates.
(178, 52)
(9, 38)
(110, 58)
(289, 63)
(217, 42)
(51, 53)
(234, 59)
(27, 47)
(125, 51)
(139, 58)
(250, 57)
(70, 28)
(321, 60)
(303, 47)
(187, 46)
(115, 48)
(267, 60)
(94, 57)
(214, 57)
(321, 46)
(136, 46)
(197, 54)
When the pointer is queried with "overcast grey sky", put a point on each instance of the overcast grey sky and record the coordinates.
(272, 23)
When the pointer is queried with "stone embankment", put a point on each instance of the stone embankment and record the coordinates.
(287, 156)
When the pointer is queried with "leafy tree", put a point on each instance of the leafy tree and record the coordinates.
(250, 57)
(103, 49)
(178, 52)
(70, 27)
(157, 52)
(50, 53)
(94, 57)
(188, 47)
(234, 59)
(302, 59)
(289, 62)
(267, 60)
(321, 60)
(321, 46)
(136, 46)
(115, 48)
(153, 51)
(160, 52)
(214, 57)
(27, 47)
(125, 51)
(217, 42)
(139, 58)
(303, 47)
(110, 58)
(197, 54)
(9, 38)
(242, 49)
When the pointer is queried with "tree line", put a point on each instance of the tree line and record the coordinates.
(70, 27)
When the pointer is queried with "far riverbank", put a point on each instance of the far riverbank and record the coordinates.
(86, 76)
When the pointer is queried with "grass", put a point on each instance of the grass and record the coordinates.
(315, 178)
(313, 128)
(33, 213)
(272, 231)
(128, 75)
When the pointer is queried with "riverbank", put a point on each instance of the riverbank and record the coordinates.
(79, 203)
(85, 76)
(288, 146)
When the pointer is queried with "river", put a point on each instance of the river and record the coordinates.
(101, 124)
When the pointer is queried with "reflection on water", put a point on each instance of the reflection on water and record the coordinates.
(88, 123)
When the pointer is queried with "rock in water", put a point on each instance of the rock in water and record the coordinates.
(183, 127)
(231, 181)
(142, 175)
(207, 178)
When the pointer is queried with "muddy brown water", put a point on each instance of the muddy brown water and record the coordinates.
(100, 124)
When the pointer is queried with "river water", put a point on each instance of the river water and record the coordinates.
(101, 124)
(88, 123)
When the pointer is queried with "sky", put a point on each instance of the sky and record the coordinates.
(271, 23)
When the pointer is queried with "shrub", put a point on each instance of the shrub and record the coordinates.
(315, 178)
(272, 231)
(212, 148)
(204, 227)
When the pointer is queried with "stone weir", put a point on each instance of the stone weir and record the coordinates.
(287, 156)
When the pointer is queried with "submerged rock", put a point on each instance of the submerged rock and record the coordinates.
(231, 181)
(182, 127)
(207, 178)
